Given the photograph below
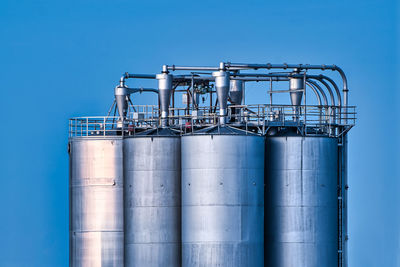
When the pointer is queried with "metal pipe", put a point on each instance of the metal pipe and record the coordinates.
(174, 68)
(261, 79)
(316, 93)
(122, 93)
(140, 90)
(135, 76)
(240, 66)
(321, 78)
(282, 76)
(316, 85)
(313, 86)
(279, 79)
(188, 78)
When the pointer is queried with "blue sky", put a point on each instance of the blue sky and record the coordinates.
(60, 59)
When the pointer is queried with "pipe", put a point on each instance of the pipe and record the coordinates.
(290, 75)
(140, 90)
(323, 92)
(280, 79)
(316, 93)
(187, 78)
(174, 68)
(122, 92)
(321, 78)
(240, 66)
(134, 76)
(261, 79)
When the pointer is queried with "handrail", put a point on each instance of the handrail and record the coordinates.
(323, 119)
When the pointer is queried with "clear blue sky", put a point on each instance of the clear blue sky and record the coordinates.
(60, 59)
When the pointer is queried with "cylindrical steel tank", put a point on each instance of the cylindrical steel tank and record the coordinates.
(222, 198)
(152, 195)
(96, 202)
(301, 201)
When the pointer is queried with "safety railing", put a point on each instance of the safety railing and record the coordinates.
(94, 126)
(332, 120)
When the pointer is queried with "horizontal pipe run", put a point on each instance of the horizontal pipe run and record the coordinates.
(135, 76)
(261, 79)
(240, 66)
(191, 77)
(174, 68)
(263, 75)
(140, 90)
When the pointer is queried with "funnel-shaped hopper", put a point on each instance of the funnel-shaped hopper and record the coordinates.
(164, 95)
(121, 98)
(222, 88)
(236, 92)
(296, 84)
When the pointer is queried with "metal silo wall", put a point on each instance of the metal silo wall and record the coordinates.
(96, 202)
(152, 171)
(222, 200)
(301, 201)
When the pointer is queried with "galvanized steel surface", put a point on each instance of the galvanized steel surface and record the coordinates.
(96, 202)
(222, 200)
(301, 196)
(152, 169)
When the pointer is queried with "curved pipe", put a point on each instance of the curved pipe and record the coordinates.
(279, 79)
(332, 98)
(288, 75)
(315, 92)
(126, 76)
(239, 66)
(321, 78)
(315, 87)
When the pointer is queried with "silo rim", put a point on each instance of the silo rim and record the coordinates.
(222, 130)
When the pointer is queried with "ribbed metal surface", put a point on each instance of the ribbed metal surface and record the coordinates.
(96, 202)
(152, 169)
(301, 198)
(222, 200)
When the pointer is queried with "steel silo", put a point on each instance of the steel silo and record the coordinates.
(152, 173)
(96, 201)
(301, 201)
(222, 198)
